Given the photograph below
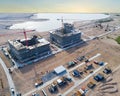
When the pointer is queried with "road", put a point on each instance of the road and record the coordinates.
(97, 55)
(51, 81)
(9, 78)
(77, 83)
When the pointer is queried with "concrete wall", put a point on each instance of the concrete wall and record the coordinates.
(27, 54)
(65, 41)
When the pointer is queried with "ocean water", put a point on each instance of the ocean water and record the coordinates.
(53, 22)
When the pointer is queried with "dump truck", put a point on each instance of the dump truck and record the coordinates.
(80, 92)
(91, 85)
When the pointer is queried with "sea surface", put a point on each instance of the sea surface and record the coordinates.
(50, 21)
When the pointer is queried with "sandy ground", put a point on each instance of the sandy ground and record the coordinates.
(4, 88)
(109, 49)
(110, 54)
(111, 86)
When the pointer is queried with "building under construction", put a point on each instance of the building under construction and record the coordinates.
(24, 51)
(65, 36)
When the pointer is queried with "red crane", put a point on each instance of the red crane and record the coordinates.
(24, 32)
(25, 35)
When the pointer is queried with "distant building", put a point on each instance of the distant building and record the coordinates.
(65, 36)
(37, 47)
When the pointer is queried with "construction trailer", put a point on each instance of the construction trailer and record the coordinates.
(65, 36)
(36, 48)
(59, 70)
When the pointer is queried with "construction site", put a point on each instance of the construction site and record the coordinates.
(80, 59)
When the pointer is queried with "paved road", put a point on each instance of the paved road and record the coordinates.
(77, 83)
(9, 78)
(51, 81)
(97, 55)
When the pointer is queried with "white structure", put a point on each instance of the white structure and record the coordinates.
(59, 69)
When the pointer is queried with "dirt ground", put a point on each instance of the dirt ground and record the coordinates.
(110, 50)
(110, 54)
(110, 87)
(4, 88)
(60, 89)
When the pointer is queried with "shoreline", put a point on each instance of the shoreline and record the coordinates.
(14, 34)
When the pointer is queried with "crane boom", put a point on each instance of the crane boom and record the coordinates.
(24, 32)
(25, 35)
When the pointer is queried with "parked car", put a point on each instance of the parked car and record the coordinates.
(99, 77)
(101, 63)
(76, 73)
(35, 94)
(12, 91)
(91, 85)
(10, 71)
(107, 70)
(87, 60)
(96, 62)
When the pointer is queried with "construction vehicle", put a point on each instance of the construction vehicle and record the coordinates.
(67, 78)
(99, 77)
(80, 92)
(81, 58)
(91, 85)
(89, 66)
(107, 70)
(76, 73)
(61, 82)
(38, 82)
(70, 64)
(53, 88)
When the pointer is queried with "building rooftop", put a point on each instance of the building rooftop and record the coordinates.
(32, 43)
(59, 69)
(66, 30)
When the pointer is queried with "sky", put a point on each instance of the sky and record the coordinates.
(77, 6)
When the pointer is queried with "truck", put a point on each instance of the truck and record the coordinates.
(80, 92)
(38, 82)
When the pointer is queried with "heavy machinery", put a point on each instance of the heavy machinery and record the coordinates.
(91, 85)
(38, 82)
(80, 92)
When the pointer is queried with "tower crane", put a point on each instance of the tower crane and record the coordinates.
(24, 32)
